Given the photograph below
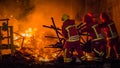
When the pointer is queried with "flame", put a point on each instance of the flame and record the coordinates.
(24, 22)
(35, 43)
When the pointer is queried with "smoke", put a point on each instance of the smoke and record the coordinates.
(17, 8)
(25, 14)
(34, 13)
(45, 9)
(16, 11)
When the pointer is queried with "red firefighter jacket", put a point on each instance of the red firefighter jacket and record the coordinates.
(110, 30)
(93, 28)
(69, 31)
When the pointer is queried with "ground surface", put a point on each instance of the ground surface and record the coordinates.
(12, 62)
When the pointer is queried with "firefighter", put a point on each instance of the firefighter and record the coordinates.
(111, 35)
(97, 37)
(71, 36)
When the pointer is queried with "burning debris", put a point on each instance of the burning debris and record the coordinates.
(33, 51)
(30, 45)
(28, 34)
(33, 46)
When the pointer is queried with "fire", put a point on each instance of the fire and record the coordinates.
(34, 44)
(29, 32)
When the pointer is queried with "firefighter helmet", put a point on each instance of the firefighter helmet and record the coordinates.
(87, 18)
(104, 17)
(65, 17)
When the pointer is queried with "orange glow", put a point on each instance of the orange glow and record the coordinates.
(28, 26)
(35, 44)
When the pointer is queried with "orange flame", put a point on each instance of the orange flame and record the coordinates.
(35, 45)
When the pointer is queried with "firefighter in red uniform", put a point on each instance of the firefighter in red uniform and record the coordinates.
(111, 35)
(71, 36)
(97, 37)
